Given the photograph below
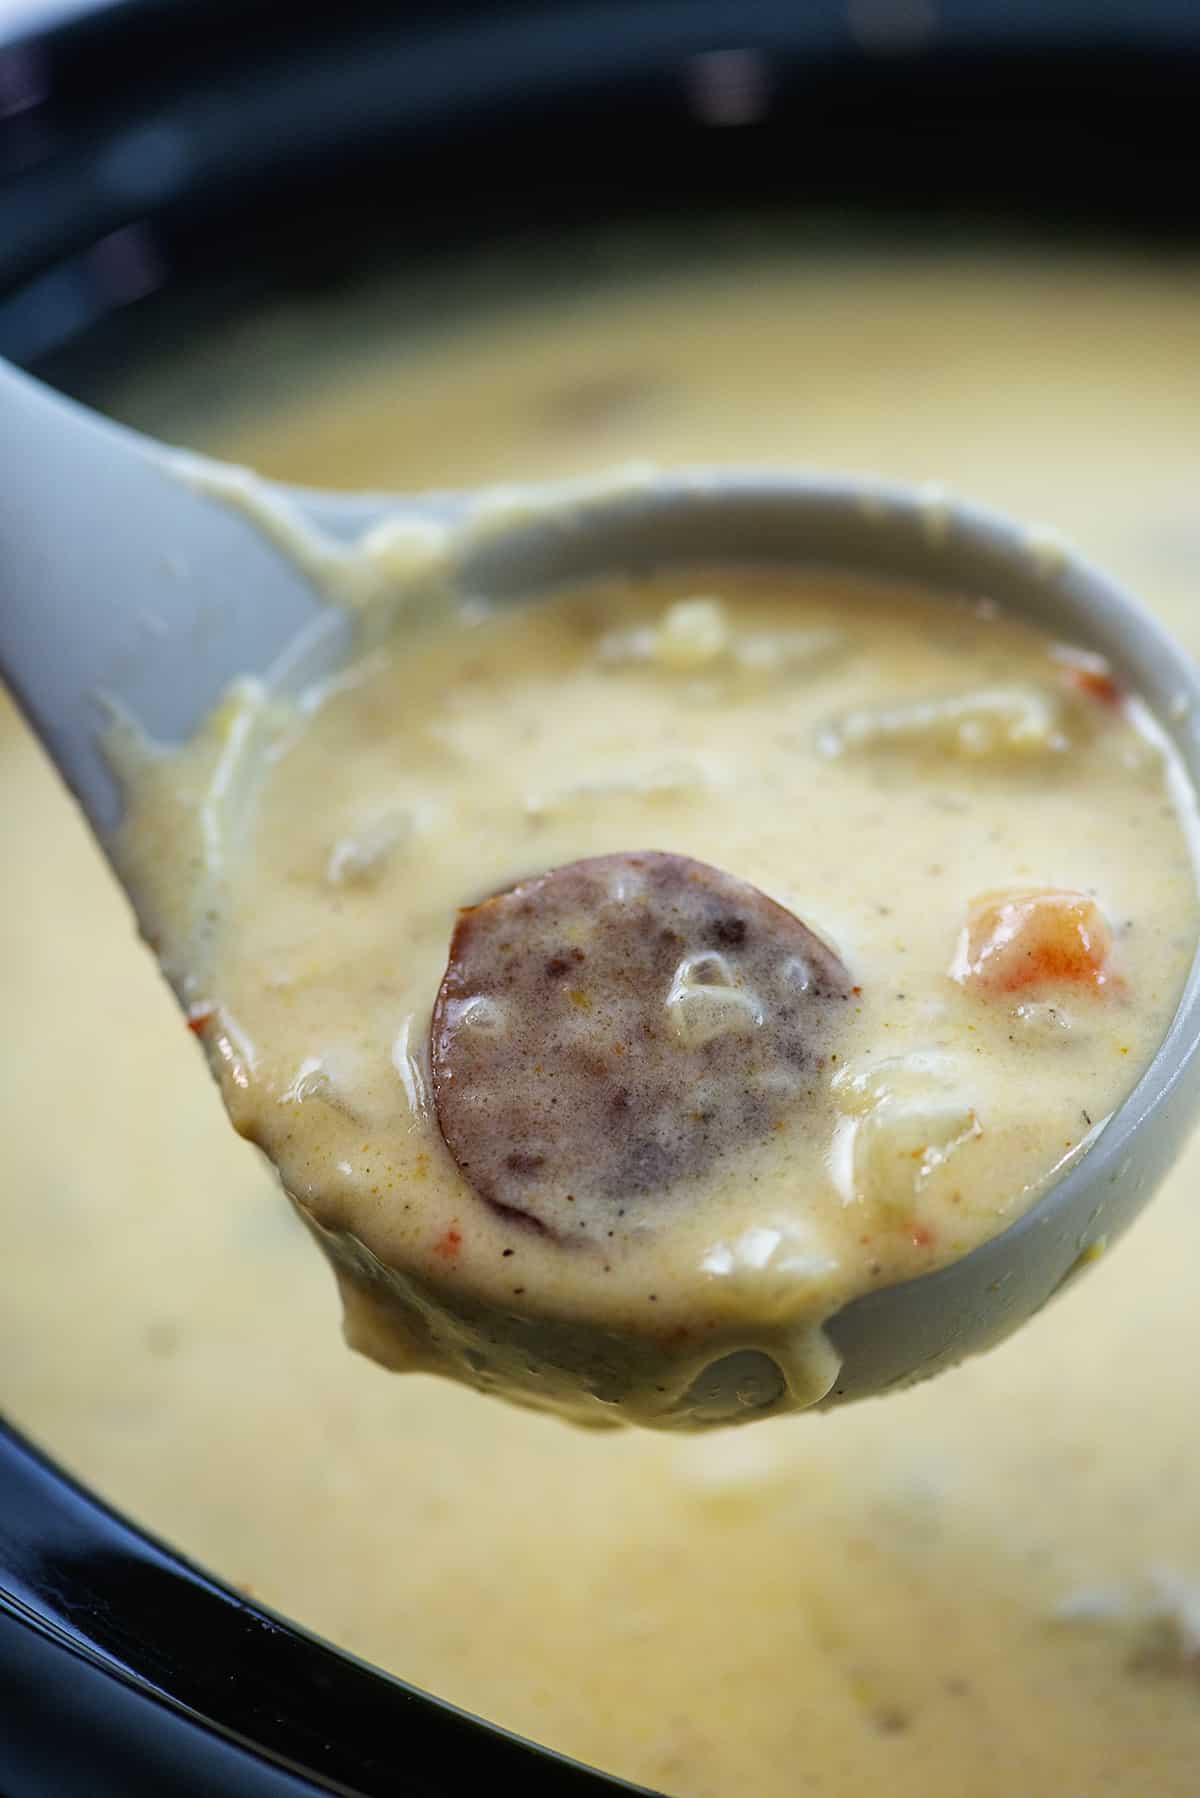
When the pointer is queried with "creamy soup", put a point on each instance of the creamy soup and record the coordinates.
(885, 903)
(988, 1585)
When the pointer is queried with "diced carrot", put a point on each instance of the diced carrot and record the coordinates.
(1045, 938)
(1096, 683)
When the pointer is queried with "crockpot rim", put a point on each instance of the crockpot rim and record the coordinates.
(51, 1526)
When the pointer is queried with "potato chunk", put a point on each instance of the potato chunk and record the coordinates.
(990, 724)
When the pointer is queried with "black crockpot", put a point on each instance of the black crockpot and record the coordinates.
(163, 167)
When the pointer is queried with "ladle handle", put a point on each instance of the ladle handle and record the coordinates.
(121, 583)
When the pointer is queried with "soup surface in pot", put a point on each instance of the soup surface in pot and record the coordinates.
(989, 1585)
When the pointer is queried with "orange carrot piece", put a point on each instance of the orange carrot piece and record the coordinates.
(1027, 939)
(1096, 683)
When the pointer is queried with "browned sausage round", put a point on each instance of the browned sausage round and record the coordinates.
(611, 1029)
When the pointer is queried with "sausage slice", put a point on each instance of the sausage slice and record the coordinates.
(613, 1028)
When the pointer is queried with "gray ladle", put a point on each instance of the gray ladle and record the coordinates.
(118, 576)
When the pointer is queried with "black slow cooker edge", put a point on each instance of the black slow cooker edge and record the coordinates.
(119, 1660)
(199, 156)
(68, 1724)
(145, 1662)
